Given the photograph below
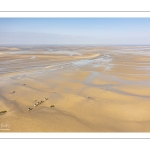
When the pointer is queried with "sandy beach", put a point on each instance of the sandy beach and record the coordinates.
(75, 89)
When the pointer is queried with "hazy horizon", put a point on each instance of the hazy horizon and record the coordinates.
(75, 31)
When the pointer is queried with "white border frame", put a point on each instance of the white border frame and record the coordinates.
(72, 14)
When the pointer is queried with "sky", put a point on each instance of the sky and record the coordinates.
(75, 31)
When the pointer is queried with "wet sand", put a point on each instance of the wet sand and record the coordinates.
(93, 89)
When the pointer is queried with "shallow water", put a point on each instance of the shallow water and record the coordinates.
(113, 87)
(30, 58)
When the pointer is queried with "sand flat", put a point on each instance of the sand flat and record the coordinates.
(93, 89)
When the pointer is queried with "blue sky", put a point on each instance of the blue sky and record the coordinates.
(99, 31)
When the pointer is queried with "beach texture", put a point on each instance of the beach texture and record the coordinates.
(75, 89)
